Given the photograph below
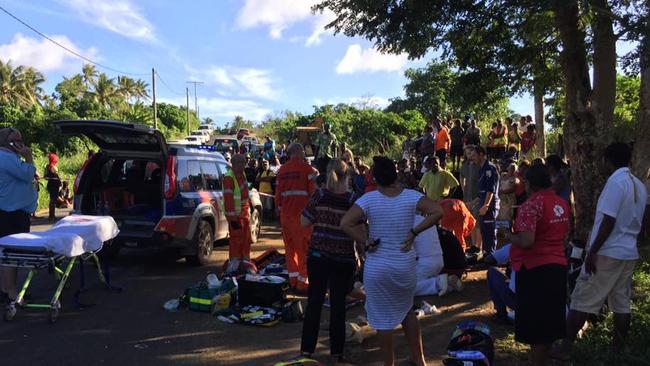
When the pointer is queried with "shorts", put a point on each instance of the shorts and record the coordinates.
(541, 304)
(457, 150)
(612, 281)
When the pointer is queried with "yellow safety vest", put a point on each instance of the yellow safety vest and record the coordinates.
(236, 194)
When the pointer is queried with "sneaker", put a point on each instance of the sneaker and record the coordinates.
(455, 284)
(442, 283)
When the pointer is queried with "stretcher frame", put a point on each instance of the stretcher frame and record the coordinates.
(36, 259)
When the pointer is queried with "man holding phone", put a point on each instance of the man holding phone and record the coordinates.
(18, 197)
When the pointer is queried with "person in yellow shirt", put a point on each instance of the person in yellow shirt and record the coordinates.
(437, 183)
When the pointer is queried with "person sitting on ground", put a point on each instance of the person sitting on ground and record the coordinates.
(331, 259)
(65, 198)
(502, 288)
(437, 183)
(389, 270)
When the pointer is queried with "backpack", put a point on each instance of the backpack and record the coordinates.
(470, 344)
(453, 255)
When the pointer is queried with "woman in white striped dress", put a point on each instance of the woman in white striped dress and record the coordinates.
(389, 271)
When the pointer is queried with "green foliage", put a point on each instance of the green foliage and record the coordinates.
(436, 90)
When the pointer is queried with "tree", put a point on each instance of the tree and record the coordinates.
(416, 27)
(89, 74)
(19, 86)
(105, 91)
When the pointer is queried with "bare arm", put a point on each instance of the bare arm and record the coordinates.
(353, 225)
(524, 240)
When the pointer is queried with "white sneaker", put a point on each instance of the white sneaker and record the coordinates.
(455, 284)
(442, 284)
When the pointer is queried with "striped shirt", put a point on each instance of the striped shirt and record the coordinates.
(325, 211)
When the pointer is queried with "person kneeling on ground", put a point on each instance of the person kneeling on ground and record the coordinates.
(502, 288)
(65, 198)
(430, 264)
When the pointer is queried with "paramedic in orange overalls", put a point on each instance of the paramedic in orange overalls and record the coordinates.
(237, 210)
(295, 185)
(457, 218)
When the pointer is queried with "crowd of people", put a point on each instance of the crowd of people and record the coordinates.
(344, 221)
(388, 225)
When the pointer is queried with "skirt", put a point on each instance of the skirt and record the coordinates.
(389, 279)
(541, 304)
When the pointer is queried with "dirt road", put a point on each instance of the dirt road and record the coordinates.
(132, 328)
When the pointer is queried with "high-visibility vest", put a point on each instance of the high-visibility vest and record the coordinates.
(236, 194)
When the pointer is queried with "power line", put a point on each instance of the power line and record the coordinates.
(67, 49)
(167, 85)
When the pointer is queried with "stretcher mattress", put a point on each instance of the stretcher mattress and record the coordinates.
(71, 236)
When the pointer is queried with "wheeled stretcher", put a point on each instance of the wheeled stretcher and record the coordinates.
(73, 239)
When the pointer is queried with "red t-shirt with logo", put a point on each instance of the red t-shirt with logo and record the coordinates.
(547, 215)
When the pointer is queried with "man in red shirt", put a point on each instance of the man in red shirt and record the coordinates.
(237, 210)
(540, 264)
(294, 187)
(443, 142)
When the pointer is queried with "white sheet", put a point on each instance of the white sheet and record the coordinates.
(71, 236)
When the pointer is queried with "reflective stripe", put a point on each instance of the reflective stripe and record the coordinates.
(198, 300)
(236, 192)
(293, 274)
(294, 193)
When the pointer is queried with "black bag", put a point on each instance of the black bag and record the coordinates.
(452, 251)
(470, 344)
(261, 293)
(293, 312)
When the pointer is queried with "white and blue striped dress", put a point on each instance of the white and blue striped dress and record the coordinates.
(389, 275)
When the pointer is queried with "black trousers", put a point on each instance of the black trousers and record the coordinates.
(323, 271)
(14, 222)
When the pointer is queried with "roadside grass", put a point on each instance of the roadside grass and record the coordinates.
(594, 348)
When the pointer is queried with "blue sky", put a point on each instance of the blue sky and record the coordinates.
(255, 57)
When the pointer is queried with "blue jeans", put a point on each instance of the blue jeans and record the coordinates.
(500, 293)
(489, 231)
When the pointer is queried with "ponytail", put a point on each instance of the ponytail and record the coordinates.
(337, 172)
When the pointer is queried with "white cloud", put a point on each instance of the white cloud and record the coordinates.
(357, 59)
(279, 15)
(43, 54)
(121, 17)
(238, 81)
(225, 107)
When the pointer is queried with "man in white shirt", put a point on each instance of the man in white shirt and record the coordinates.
(612, 249)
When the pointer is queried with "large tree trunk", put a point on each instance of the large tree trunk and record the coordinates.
(538, 98)
(583, 142)
(604, 63)
(642, 144)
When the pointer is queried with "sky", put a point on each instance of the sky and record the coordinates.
(254, 57)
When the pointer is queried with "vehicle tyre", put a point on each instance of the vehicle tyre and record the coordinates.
(256, 224)
(204, 242)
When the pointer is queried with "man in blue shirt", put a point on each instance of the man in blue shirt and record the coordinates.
(18, 196)
(269, 148)
(488, 198)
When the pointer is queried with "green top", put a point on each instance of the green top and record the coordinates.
(327, 145)
(438, 185)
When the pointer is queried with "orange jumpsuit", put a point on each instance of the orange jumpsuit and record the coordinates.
(294, 187)
(240, 239)
(457, 218)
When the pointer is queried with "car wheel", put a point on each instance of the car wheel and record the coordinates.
(204, 242)
(256, 224)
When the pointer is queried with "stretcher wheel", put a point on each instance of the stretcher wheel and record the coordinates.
(10, 314)
(54, 315)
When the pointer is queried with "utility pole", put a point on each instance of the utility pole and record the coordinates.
(187, 104)
(196, 107)
(153, 89)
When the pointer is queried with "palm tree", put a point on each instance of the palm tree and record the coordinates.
(140, 90)
(89, 73)
(105, 91)
(71, 88)
(125, 87)
(19, 86)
